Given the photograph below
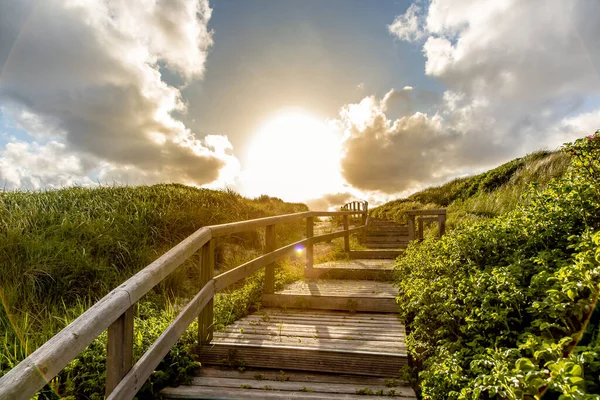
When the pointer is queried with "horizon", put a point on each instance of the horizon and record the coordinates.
(305, 101)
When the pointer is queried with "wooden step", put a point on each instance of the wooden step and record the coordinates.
(369, 344)
(365, 269)
(387, 232)
(386, 239)
(397, 245)
(216, 383)
(375, 254)
(346, 295)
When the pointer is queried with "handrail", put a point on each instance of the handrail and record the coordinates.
(113, 311)
(440, 214)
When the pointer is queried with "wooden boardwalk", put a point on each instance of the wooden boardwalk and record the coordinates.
(336, 336)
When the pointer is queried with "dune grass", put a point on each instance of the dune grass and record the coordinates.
(481, 196)
(62, 250)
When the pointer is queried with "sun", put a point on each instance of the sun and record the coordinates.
(294, 156)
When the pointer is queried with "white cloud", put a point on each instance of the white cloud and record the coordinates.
(88, 74)
(409, 26)
(36, 166)
(519, 76)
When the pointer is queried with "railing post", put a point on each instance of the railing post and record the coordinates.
(347, 235)
(309, 246)
(411, 227)
(366, 212)
(205, 318)
(119, 351)
(441, 225)
(420, 233)
(270, 269)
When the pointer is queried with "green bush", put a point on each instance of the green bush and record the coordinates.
(502, 308)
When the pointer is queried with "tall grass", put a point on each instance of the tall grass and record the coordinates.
(482, 196)
(62, 250)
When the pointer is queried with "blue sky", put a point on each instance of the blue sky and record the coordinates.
(365, 99)
(309, 54)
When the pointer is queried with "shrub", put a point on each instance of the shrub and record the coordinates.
(503, 308)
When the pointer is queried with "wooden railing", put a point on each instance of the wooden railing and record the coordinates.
(362, 206)
(435, 215)
(115, 311)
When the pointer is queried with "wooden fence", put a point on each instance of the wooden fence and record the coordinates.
(435, 215)
(116, 310)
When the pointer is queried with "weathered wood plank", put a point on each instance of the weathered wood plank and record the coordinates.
(308, 331)
(279, 357)
(287, 386)
(309, 245)
(298, 376)
(383, 305)
(434, 211)
(270, 268)
(119, 349)
(347, 235)
(243, 226)
(379, 254)
(205, 319)
(341, 288)
(400, 245)
(190, 392)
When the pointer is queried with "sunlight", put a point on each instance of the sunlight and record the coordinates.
(293, 156)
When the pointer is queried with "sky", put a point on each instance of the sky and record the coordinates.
(314, 101)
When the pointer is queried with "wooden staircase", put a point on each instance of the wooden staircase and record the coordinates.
(334, 335)
(384, 234)
(337, 336)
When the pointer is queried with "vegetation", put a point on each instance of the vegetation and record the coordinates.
(62, 250)
(504, 307)
(482, 196)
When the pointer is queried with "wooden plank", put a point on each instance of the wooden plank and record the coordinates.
(270, 268)
(370, 245)
(293, 320)
(191, 392)
(337, 287)
(380, 254)
(137, 376)
(318, 387)
(243, 226)
(435, 211)
(205, 319)
(238, 273)
(309, 245)
(298, 376)
(327, 315)
(307, 336)
(119, 349)
(364, 304)
(442, 225)
(411, 227)
(308, 331)
(351, 344)
(382, 275)
(347, 235)
(278, 357)
(386, 239)
(367, 264)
